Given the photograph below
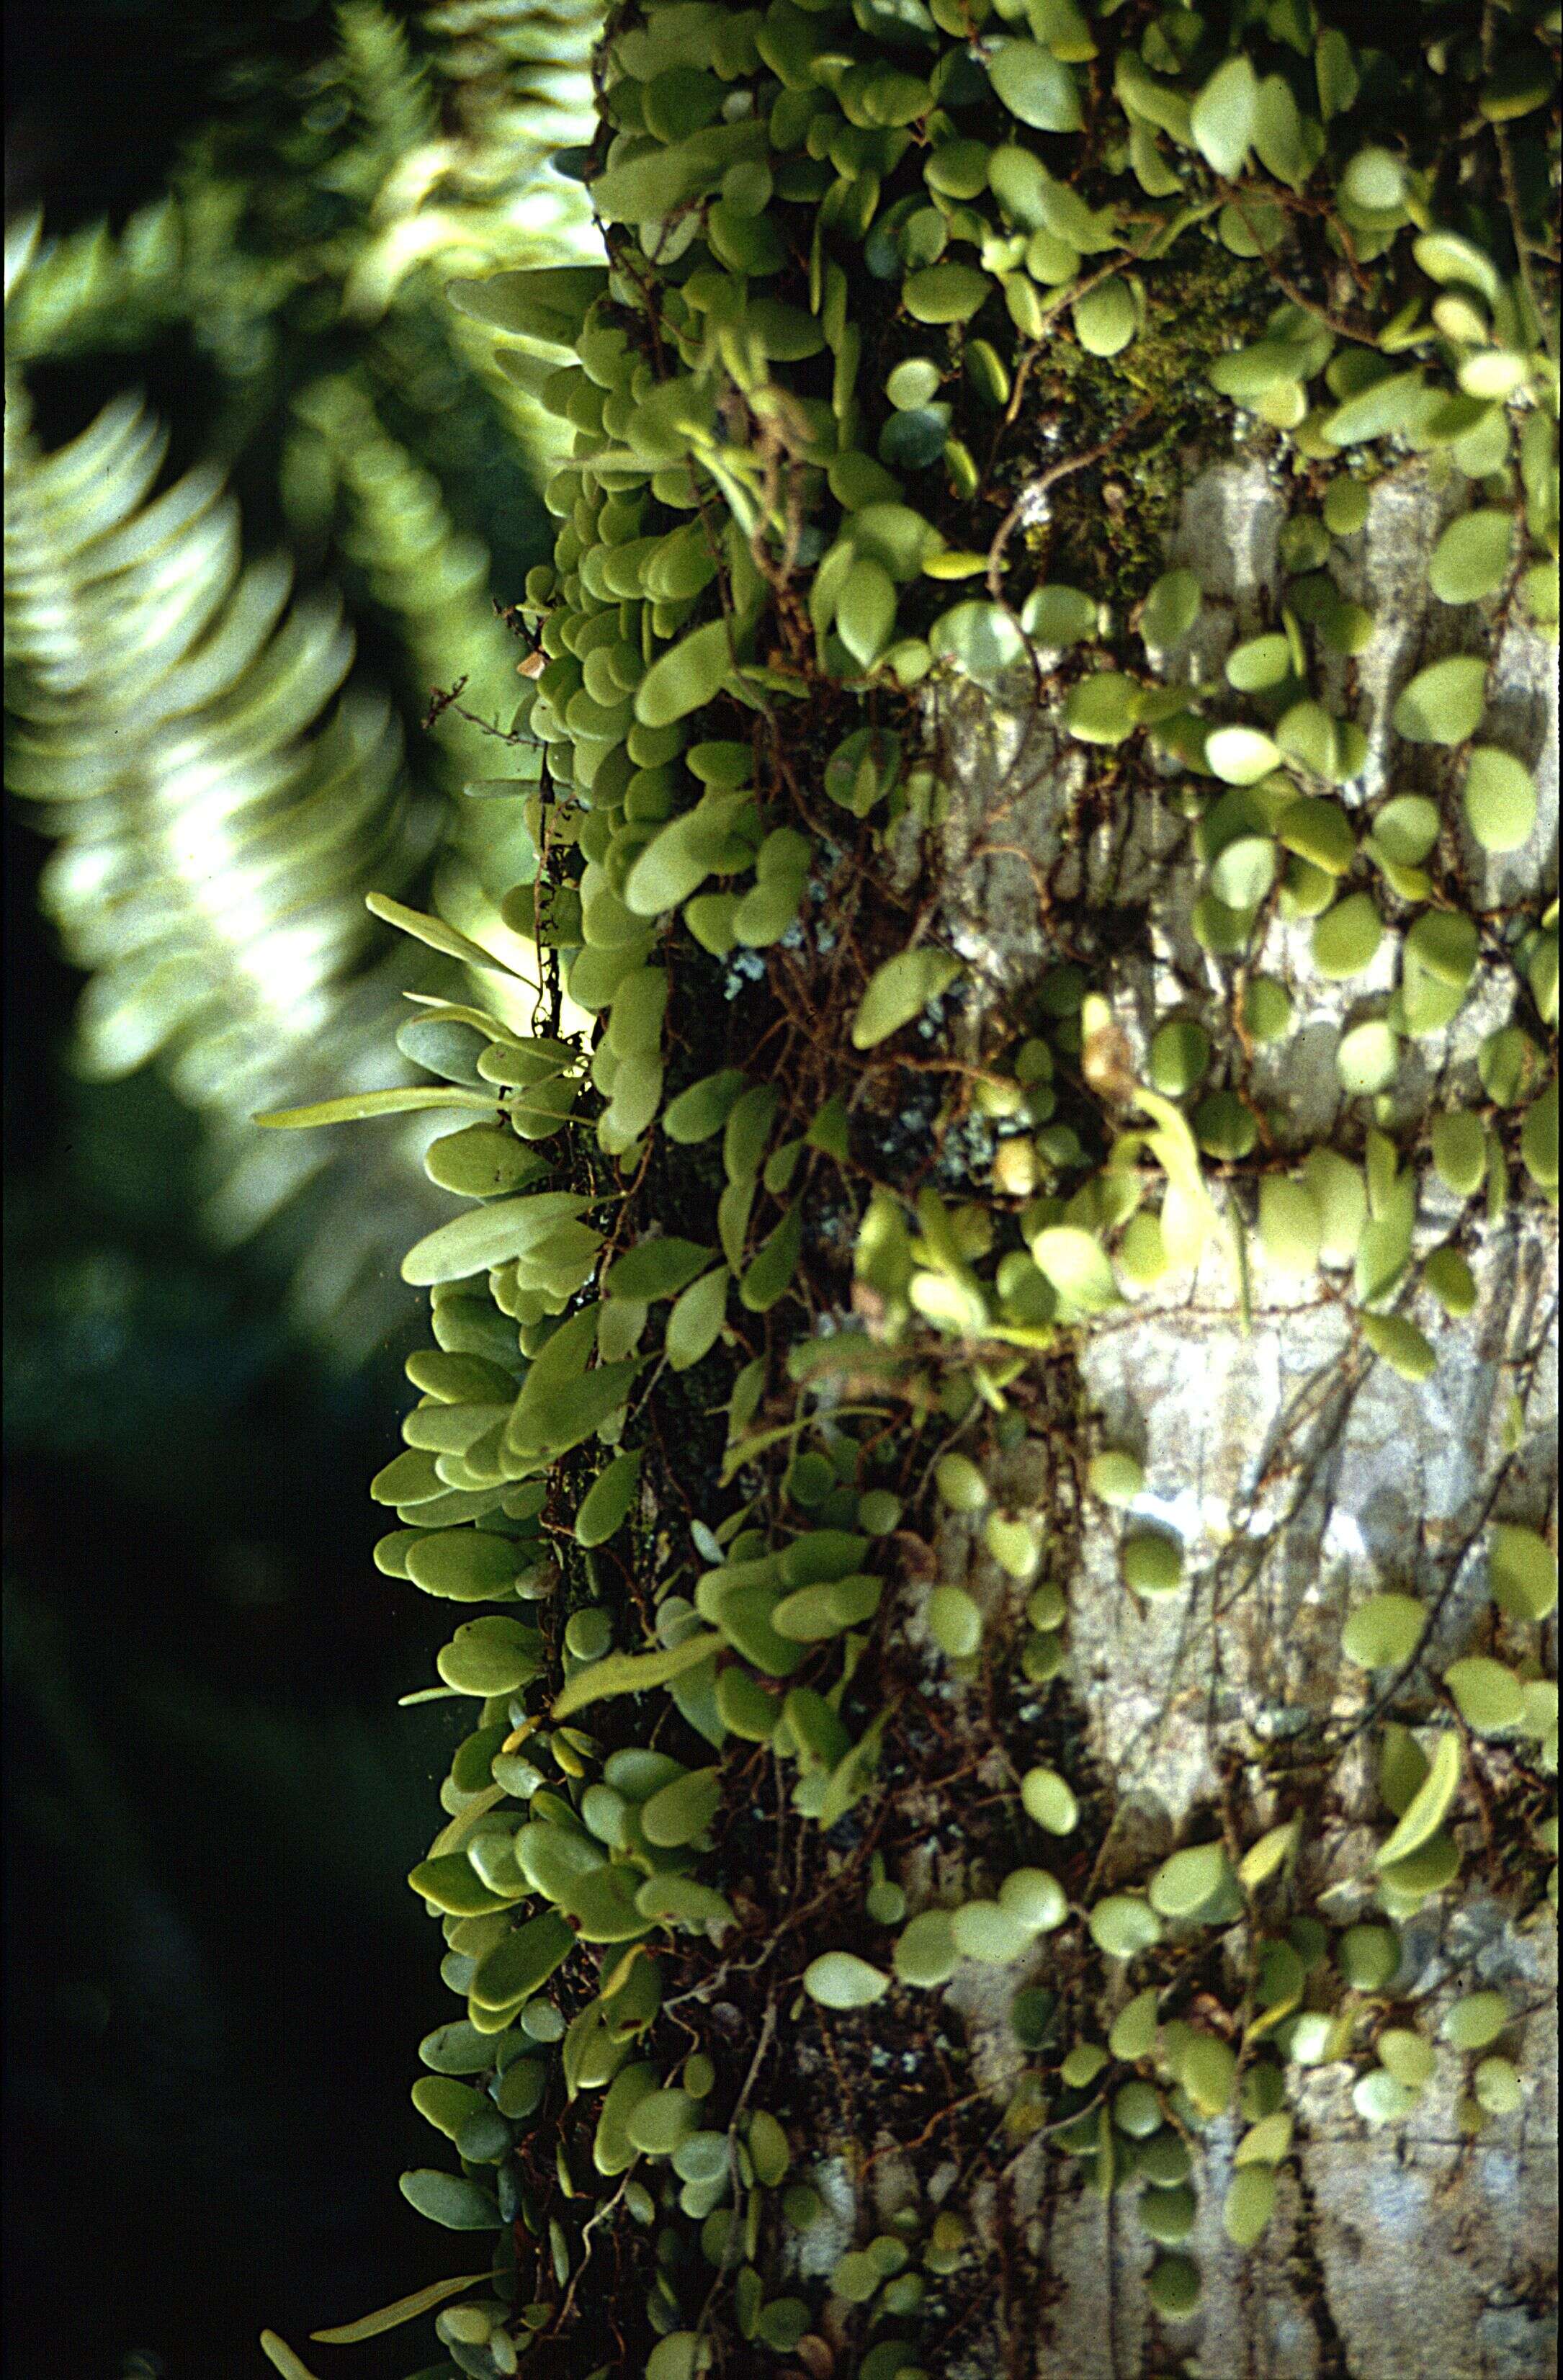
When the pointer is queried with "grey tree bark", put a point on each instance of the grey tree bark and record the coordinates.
(1301, 1475)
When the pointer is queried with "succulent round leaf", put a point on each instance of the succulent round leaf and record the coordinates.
(1470, 559)
(839, 1979)
(1035, 86)
(1249, 2204)
(1498, 798)
(1497, 2087)
(1475, 2022)
(1046, 1798)
(1346, 938)
(1170, 608)
(1401, 1345)
(1122, 1925)
(955, 1622)
(1152, 1562)
(1035, 1897)
(1105, 318)
(1241, 756)
(1103, 707)
(1489, 1697)
(1173, 2288)
(1385, 1631)
(945, 292)
(1225, 116)
(926, 1953)
(1183, 1884)
(1522, 1572)
(1443, 703)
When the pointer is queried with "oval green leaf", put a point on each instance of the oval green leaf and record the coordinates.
(898, 991)
(839, 1980)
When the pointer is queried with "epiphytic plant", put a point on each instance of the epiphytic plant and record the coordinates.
(790, 1213)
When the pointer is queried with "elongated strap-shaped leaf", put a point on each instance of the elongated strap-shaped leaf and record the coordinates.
(357, 1105)
(278, 2353)
(1428, 1806)
(696, 1319)
(407, 2309)
(435, 932)
(461, 1825)
(1188, 1215)
(631, 1673)
(687, 676)
(543, 302)
(744, 1450)
(452, 2200)
(770, 1275)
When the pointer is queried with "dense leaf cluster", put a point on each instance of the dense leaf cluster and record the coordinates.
(720, 1366)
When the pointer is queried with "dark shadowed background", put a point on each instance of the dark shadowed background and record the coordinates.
(217, 1974)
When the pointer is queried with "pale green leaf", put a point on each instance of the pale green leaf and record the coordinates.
(434, 933)
(281, 2356)
(1443, 703)
(633, 1673)
(1225, 116)
(488, 1236)
(1428, 1806)
(839, 1980)
(407, 2309)
(354, 1105)
(899, 990)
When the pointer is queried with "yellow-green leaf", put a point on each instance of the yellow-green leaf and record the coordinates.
(434, 933)
(355, 1105)
(279, 2354)
(633, 1673)
(1426, 1810)
(407, 2309)
(899, 991)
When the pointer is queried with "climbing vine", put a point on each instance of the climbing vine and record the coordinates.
(755, 1401)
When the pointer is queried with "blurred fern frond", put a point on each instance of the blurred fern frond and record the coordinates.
(216, 675)
(219, 796)
(339, 183)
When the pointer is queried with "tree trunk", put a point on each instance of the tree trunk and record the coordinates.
(1300, 1476)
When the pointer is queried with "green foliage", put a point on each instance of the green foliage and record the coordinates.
(833, 253)
(226, 771)
(650, 811)
(149, 662)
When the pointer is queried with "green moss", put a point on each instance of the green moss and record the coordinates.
(1203, 300)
